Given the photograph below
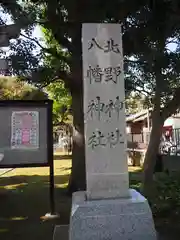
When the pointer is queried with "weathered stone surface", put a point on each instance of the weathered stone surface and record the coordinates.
(104, 112)
(111, 219)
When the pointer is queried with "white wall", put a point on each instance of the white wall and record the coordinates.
(169, 122)
(174, 122)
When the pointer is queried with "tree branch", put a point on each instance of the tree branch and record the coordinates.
(54, 19)
(133, 61)
(59, 75)
(64, 42)
(172, 105)
(140, 84)
(52, 81)
(33, 39)
(141, 91)
(173, 41)
(51, 51)
(63, 76)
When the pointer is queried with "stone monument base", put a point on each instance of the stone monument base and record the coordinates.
(112, 219)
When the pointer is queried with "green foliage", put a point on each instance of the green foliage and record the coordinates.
(148, 28)
(34, 94)
(62, 101)
(65, 35)
(57, 90)
(136, 102)
(165, 200)
(12, 89)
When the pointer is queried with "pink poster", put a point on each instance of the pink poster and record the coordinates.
(25, 130)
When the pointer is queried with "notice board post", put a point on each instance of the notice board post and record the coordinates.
(51, 162)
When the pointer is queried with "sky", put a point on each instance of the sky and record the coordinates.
(172, 46)
(37, 32)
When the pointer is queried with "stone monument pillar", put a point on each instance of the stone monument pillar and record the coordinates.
(108, 210)
(104, 112)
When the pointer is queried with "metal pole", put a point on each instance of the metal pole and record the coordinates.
(52, 200)
(51, 159)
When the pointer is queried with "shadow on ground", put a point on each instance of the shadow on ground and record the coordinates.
(62, 157)
(24, 200)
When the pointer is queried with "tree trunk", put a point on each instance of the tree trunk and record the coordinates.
(152, 152)
(78, 175)
(156, 131)
(78, 179)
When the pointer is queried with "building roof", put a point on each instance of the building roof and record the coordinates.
(140, 116)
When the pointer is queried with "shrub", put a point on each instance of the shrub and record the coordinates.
(165, 201)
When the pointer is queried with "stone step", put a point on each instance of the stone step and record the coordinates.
(61, 232)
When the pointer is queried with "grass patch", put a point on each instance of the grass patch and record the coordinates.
(24, 199)
(135, 177)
